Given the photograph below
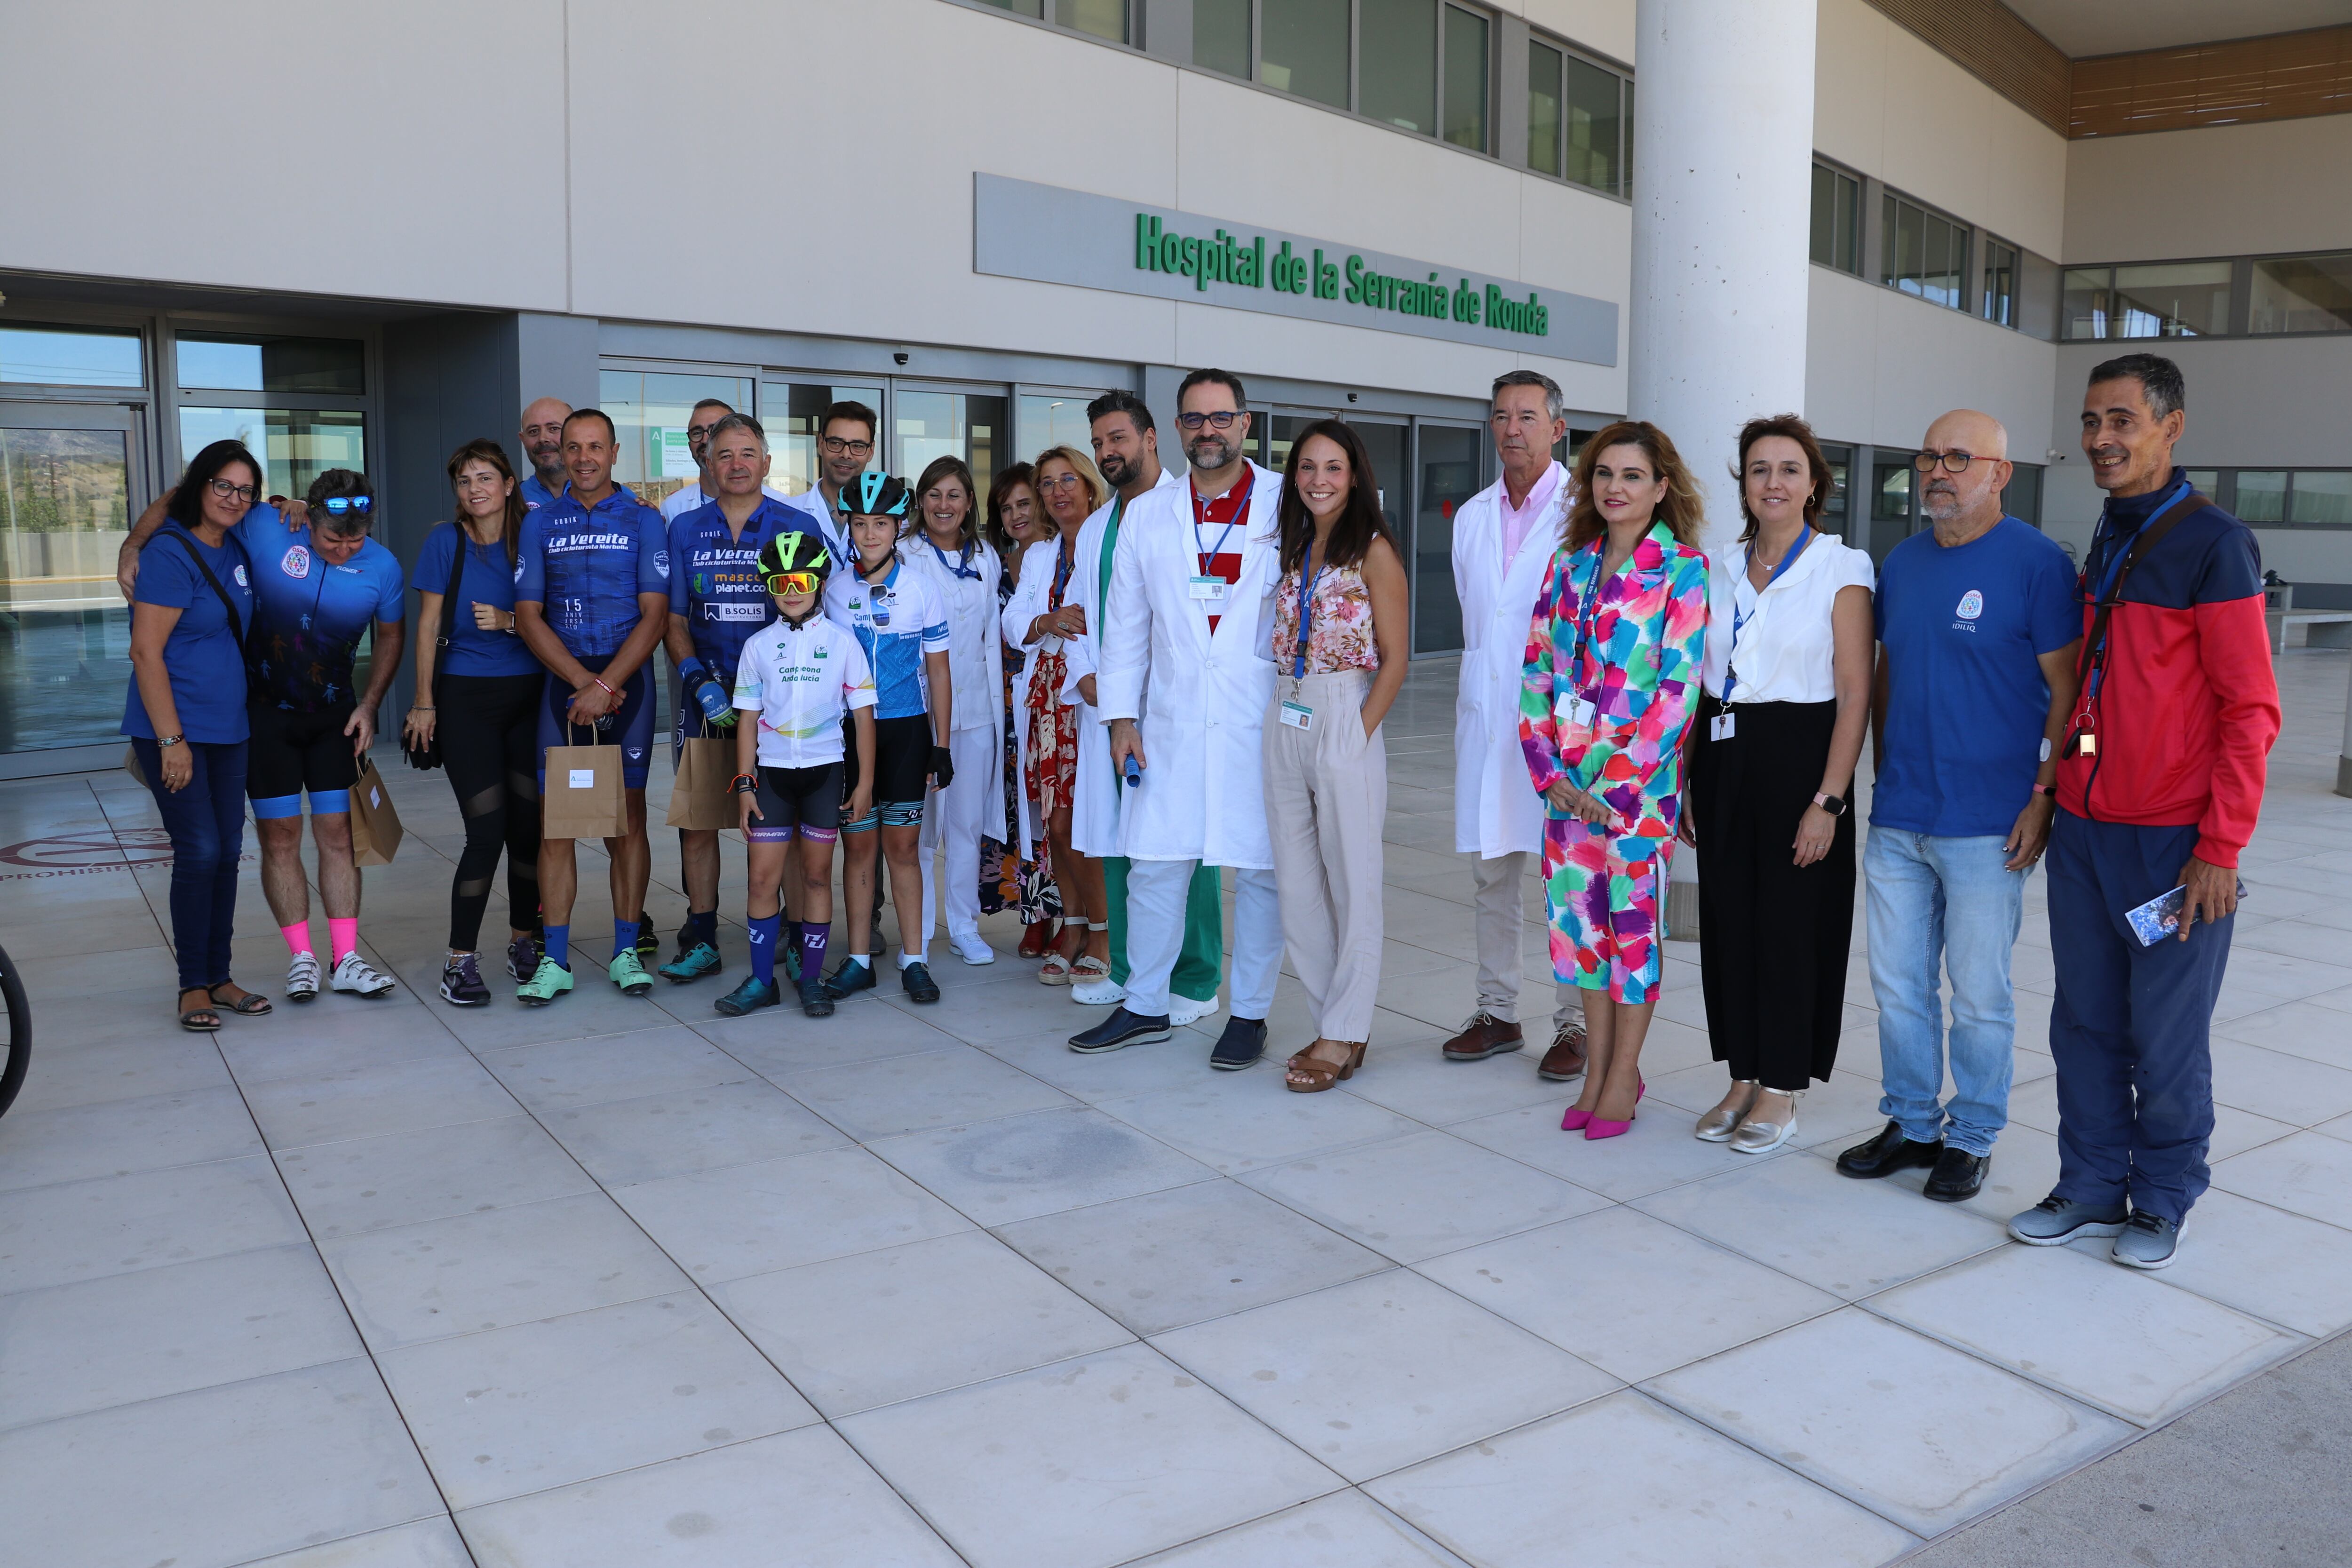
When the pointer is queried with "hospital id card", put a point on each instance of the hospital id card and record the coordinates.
(1722, 726)
(1577, 711)
(1209, 588)
(1298, 716)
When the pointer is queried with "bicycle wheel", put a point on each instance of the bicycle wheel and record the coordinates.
(16, 1046)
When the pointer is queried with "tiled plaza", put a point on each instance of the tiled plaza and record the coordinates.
(622, 1283)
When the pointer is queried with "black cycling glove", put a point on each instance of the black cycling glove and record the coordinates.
(942, 766)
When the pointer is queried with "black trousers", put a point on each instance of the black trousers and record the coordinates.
(1773, 936)
(489, 747)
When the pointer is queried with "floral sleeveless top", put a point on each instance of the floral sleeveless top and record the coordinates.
(1339, 633)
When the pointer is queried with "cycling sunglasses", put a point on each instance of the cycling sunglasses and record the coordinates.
(793, 583)
(338, 506)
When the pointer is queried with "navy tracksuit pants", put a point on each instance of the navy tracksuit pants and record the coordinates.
(2132, 1026)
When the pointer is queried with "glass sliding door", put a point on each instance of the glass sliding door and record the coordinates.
(294, 445)
(1450, 471)
(793, 413)
(649, 410)
(1042, 419)
(69, 478)
(929, 423)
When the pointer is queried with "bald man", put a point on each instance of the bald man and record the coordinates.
(1977, 636)
(542, 448)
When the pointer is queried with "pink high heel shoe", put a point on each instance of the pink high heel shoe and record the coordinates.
(1583, 1120)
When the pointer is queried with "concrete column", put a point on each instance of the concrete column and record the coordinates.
(1722, 204)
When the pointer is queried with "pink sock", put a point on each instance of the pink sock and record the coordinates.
(343, 936)
(298, 938)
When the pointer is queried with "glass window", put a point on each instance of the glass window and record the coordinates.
(2174, 299)
(294, 445)
(2322, 498)
(2206, 482)
(262, 362)
(1837, 219)
(2086, 300)
(1221, 35)
(1543, 107)
(926, 426)
(1998, 303)
(1100, 18)
(1396, 66)
(1450, 459)
(1625, 165)
(1304, 49)
(2023, 500)
(1042, 419)
(1834, 507)
(65, 497)
(1465, 78)
(1926, 252)
(71, 356)
(1592, 125)
(1892, 502)
(793, 419)
(2262, 495)
(649, 410)
(2300, 294)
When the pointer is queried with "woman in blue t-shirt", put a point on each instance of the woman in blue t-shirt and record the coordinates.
(480, 697)
(185, 714)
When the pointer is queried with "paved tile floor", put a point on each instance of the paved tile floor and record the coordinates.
(622, 1282)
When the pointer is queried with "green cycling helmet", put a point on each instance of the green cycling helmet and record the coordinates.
(874, 494)
(796, 553)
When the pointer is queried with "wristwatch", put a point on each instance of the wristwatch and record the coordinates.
(169, 740)
(1833, 804)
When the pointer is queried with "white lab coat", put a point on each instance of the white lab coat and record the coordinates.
(1199, 699)
(975, 654)
(1496, 809)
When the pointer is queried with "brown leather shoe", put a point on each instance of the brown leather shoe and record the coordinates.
(1565, 1060)
(1484, 1035)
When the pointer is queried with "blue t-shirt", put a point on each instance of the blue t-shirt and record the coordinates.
(207, 672)
(714, 580)
(309, 616)
(896, 624)
(585, 568)
(1964, 629)
(487, 580)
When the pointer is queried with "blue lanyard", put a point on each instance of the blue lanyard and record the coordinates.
(1306, 586)
(1201, 511)
(1064, 559)
(962, 566)
(2112, 564)
(1587, 610)
(1739, 619)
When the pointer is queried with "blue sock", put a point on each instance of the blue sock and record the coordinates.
(704, 924)
(813, 937)
(559, 945)
(763, 947)
(625, 935)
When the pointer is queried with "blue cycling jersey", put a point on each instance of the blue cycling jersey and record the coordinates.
(309, 616)
(535, 494)
(714, 579)
(584, 568)
(896, 624)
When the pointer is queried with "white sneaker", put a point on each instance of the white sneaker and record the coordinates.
(1183, 1010)
(1100, 993)
(356, 976)
(971, 947)
(302, 978)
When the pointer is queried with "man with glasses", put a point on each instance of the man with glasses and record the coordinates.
(1976, 639)
(1503, 540)
(700, 422)
(844, 447)
(542, 448)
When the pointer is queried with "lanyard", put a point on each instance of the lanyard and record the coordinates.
(1066, 556)
(1587, 611)
(1310, 575)
(1739, 619)
(1201, 511)
(2114, 561)
(962, 566)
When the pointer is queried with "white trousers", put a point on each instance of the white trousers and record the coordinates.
(1502, 927)
(951, 820)
(1327, 800)
(1155, 935)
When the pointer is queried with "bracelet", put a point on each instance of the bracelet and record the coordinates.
(746, 784)
(420, 708)
(606, 689)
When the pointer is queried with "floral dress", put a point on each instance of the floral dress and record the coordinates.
(1009, 879)
(1609, 683)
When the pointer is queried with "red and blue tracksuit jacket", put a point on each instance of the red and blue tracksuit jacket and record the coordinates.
(2187, 705)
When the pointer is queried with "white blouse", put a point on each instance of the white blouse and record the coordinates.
(1785, 647)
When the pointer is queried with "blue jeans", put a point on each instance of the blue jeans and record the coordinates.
(1950, 902)
(205, 821)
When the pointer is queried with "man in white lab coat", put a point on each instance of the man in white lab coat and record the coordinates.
(1185, 688)
(1503, 539)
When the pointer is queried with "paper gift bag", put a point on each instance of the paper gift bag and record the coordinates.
(376, 825)
(700, 797)
(583, 797)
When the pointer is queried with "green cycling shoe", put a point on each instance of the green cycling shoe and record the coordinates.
(692, 964)
(628, 971)
(547, 982)
(750, 997)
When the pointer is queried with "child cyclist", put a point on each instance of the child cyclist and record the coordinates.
(901, 623)
(801, 675)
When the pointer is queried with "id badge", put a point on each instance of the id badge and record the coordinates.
(1722, 726)
(1577, 711)
(1209, 588)
(1298, 716)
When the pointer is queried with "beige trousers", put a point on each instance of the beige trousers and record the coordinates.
(1502, 929)
(1327, 799)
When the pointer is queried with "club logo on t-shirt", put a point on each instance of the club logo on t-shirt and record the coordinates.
(661, 563)
(297, 563)
(239, 575)
(1972, 606)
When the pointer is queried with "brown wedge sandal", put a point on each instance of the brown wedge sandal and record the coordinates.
(1320, 1075)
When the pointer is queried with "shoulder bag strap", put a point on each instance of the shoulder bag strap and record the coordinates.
(235, 623)
(2094, 644)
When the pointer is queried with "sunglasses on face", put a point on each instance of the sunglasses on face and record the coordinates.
(227, 491)
(1222, 419)
(793, 582)
(339, 506)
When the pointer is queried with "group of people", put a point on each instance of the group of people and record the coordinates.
(1093, 693)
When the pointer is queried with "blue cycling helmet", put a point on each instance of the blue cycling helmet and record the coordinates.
(874, 494)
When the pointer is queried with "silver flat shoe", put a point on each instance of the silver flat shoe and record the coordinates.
(1763, 1137)
(1717, 1125)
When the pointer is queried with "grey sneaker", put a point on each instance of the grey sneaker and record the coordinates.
(2147, 1242)
(2055, 1221)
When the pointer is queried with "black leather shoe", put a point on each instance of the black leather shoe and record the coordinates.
(1957, 1176)
(1888, 1153)
(1242, 1043)
(1121, 1028)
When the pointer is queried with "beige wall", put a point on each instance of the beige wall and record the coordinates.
(2224, 190)
(1881, 365)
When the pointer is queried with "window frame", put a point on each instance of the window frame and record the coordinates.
(1623, 161)
(1860, 186)
(1893, 201)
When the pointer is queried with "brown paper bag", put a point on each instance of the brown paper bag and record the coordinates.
(700, 797)
(583, 797)
(376, 825)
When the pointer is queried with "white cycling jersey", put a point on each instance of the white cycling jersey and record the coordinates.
(801, 682)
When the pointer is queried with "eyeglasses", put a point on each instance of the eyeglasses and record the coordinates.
(1954, 462)
(1222, 419)
(793, 582)
(227, 491)
(1067, 482)
(837, 446)
(338, 505)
